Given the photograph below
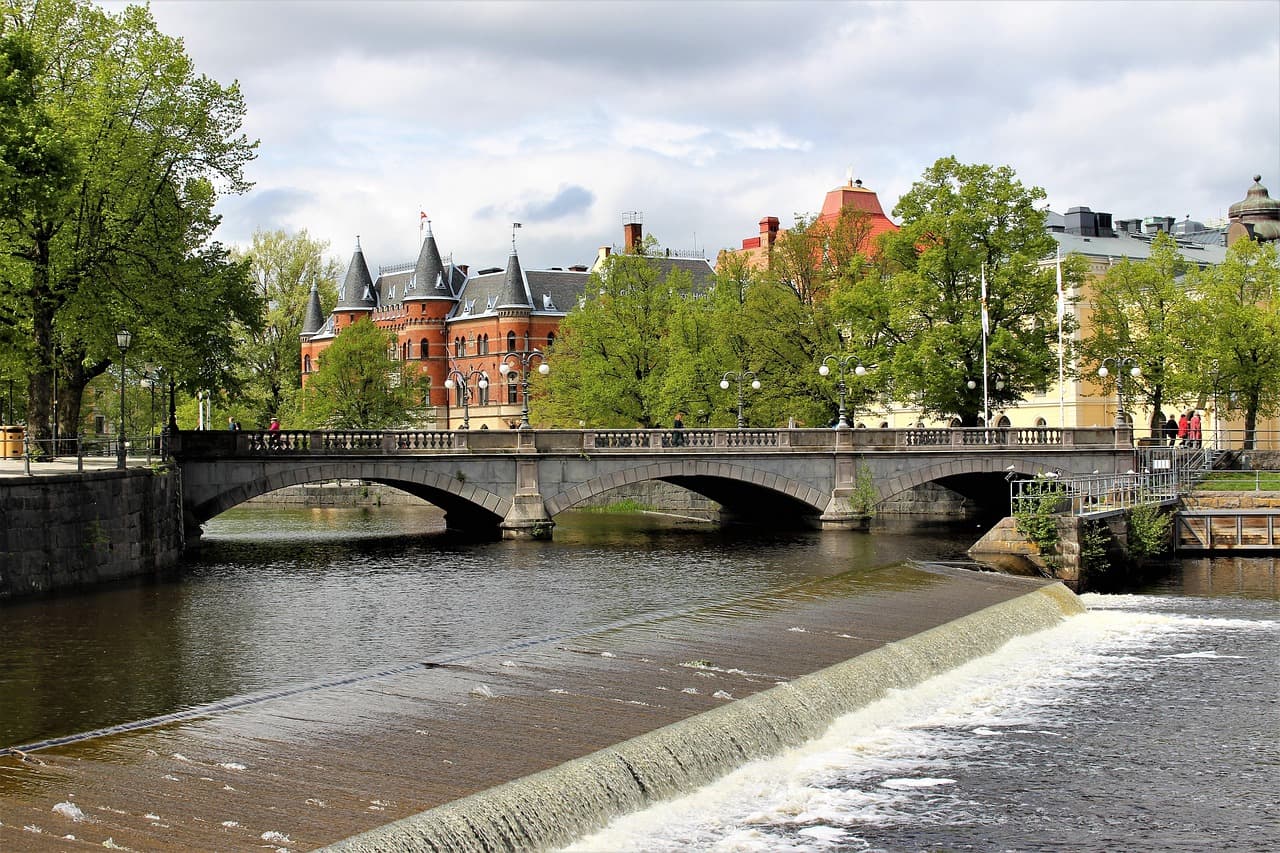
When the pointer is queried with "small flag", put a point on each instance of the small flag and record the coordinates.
(516, 225)
(422, 214)
(986, 320)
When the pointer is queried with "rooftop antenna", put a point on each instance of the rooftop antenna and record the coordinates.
(849, 175)
(357, 242)
(514, 226)
(423, 218)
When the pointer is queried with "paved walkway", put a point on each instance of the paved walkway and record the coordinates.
(311, 766)
(66, 465)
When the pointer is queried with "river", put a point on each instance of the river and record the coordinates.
(1148, 723)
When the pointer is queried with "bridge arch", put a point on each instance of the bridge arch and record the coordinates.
(447, 492)
(955, 468)
(696, 475)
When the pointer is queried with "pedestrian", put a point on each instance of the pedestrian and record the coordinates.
(273, 432)
(1171, 431)
(1183, 425)
(1193, 429)
(677, 430)
(232, 425)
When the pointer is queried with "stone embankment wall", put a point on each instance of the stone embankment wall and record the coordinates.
(73, 530)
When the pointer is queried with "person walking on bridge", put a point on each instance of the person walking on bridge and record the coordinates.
(677, 430)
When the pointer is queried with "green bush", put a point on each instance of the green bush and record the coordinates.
(1148, 530)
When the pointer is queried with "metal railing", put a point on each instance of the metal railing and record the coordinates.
(1094, 493)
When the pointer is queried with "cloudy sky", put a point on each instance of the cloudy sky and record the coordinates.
(707, 116)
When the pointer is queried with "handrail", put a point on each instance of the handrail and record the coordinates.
(220, 443)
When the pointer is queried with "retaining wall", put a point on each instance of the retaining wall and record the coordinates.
(70, 530)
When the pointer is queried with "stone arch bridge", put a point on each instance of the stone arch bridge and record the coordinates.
(519, 480)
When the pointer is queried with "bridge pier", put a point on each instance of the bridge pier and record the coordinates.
(528, 517)
(840, 513)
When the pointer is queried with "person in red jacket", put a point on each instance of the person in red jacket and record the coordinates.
(1193, 429)
(1182, 429)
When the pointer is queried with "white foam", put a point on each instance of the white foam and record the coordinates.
(909, 744)
(72, 812)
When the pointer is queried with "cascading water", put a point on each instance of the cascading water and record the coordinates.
(554, 807)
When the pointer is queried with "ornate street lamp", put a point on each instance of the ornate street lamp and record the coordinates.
(740, 377)
(149, 382)
(462, 381)
(123, 339)
(1120, 362)
(842, 363)
(524, 360)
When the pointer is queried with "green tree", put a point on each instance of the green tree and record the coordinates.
(283, 268)
(957, 221)
(358, 385)
(116, 152)
(1136, 307)
(1232, 324)
(609, 358)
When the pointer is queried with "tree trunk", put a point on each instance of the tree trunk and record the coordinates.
(40, 388)
(1251, 422)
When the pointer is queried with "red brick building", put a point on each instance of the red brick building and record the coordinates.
(452, 324)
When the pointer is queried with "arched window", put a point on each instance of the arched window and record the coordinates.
(1004, 422)
(955, 422)
(513, 388)
(484, 345)
(457, 347)
(511, 341)
(526, 341)
(406, 351)
(484, 392)
(306, 364)
(551, 339)
(1040, 422)
(424, 350)
(884, 425)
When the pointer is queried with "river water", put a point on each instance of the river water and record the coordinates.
(1149, 723)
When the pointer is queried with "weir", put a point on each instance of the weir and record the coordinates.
(557, 806)
(523, 747)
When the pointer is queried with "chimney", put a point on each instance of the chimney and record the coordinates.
(768, 231)
(603, 253)
(632, 231)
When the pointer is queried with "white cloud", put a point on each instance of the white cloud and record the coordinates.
(708, 116)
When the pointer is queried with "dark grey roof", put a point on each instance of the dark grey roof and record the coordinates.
(314, 318)
(429, 280)
(1136, 248)
(555, 291)
(514, 294)
(699, 269)
(552, 292)
(393, 287)
(358, 292)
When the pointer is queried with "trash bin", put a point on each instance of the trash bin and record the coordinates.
(11, 442)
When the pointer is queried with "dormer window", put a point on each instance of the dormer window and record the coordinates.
(547, 304)
(439, 281)
(469, 306)
(490, 302)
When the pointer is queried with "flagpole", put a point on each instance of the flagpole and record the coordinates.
(986, 324)
(1062, 310)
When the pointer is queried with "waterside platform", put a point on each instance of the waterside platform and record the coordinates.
(313, 767)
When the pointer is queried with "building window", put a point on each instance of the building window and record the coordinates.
(99, 424)
(512, 388)
(306, 364)
(457, 347)
(484, 345)
(484, 391)
(511, 341)
(1040, 422)
(526, 341)
(551, 339)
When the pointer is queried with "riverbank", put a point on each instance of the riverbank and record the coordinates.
(307, 767)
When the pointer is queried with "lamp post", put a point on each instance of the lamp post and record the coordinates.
(740, 377)
(1120, 363)
(149, 382)
(524, 360)
(842, 363)
(462, 381)
(123, 339)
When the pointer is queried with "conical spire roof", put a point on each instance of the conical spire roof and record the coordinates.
(313, 319)
(514, 293)
(357, 293)
(428, 274)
